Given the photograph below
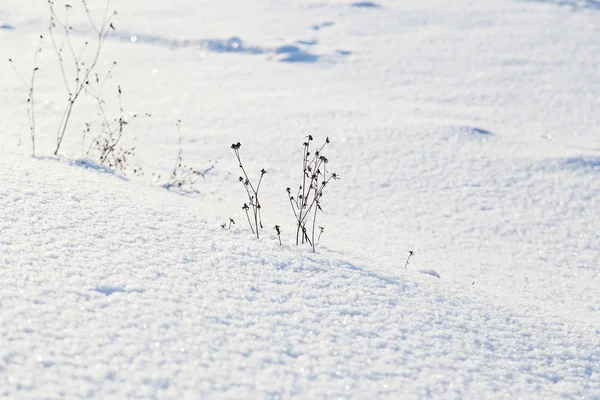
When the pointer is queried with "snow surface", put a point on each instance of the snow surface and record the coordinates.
(465, 132)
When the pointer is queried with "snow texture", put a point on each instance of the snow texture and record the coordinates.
(465, 132)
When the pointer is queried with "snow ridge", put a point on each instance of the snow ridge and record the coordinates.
(128, 292)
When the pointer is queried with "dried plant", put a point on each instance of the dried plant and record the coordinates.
(307, 202)
(224, 225)
(410, 253)
(76, 67)
(278, 231)
(184, 176)
(106, 145)
(252, 192)
(321, 230)
(79, 62)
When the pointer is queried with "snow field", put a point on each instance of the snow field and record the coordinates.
(192, 310)
(467, 133)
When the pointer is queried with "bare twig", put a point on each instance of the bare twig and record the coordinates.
(410, 253)
(251, 191)
(278, 230)
(246, 208)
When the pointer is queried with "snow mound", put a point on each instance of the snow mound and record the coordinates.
(112, 289)
(429, 272)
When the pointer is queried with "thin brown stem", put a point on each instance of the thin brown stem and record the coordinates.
(313, 229)
(248, 216)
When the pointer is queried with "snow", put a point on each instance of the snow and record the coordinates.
(431, 272)
(467, 133)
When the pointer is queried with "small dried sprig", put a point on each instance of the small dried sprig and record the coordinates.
(246, 208)
(315, 177)
(184, 176)
(410, 253)
(107, 144)
(251, 191)
(224, 225)
(278, 230)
